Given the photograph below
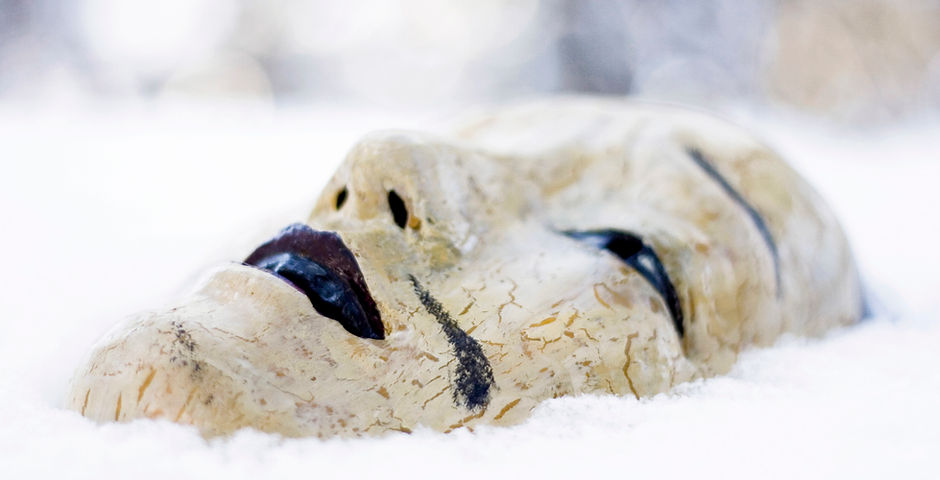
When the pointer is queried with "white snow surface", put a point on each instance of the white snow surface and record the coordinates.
(109, 210)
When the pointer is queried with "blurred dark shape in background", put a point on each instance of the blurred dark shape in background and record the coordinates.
(862, 61)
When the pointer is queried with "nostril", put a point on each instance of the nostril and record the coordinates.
(399, 212)
(341, 198)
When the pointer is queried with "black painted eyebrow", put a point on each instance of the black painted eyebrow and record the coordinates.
(754, 215)
(642, 258)
(473, 378)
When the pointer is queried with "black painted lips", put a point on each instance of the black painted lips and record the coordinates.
(321, 266)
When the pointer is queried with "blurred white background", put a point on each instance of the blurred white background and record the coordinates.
(858, 61)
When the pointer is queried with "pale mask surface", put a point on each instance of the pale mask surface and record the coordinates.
(574, 246)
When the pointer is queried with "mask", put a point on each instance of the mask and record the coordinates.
(558, 248)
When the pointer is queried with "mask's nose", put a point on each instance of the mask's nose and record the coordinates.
(388, 178)
(420, 187)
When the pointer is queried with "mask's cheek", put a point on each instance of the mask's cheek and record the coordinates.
(614, 335)
(727, 290)
(555, 318)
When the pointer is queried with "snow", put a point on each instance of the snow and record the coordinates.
(109, 210)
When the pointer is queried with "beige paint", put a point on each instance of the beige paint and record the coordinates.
(553, 316)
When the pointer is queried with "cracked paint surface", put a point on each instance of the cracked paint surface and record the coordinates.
(548, 315)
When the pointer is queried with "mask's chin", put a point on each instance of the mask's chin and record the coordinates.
(222, 361)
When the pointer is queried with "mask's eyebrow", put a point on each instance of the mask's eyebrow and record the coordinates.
(640, 257)
(473, 377)
(754, 215)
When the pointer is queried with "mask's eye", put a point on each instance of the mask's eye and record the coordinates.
(341, 198)
(641, 258)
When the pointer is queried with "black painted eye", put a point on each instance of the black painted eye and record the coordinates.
(642, 258)
(341, 198)
(399, 212)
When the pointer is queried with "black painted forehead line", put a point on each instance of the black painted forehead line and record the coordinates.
(751, 212)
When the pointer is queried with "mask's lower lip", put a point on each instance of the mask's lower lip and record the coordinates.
(321, 266)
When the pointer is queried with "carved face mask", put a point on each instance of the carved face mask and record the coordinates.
(559, 248)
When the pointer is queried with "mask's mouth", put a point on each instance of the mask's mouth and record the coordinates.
(321, 266)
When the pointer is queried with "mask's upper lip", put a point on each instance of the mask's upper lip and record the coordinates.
(321, 266)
